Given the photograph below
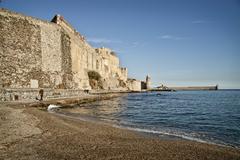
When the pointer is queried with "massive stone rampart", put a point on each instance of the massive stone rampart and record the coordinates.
(31, 49)
(40, 54)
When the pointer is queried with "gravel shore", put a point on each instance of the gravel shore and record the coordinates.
(33, 133)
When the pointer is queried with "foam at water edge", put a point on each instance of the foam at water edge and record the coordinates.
(169, 134)
(52, 107)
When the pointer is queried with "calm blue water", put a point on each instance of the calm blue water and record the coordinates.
(207, 116)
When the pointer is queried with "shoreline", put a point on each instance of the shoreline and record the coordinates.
(33, 133)
(143, 131)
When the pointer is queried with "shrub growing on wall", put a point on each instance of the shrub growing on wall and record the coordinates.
(95, 80)
(94, 75)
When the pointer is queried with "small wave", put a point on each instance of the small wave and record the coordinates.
(167, 134)
(51, 107)
(132, 128)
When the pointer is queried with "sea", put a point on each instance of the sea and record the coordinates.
(204, 116)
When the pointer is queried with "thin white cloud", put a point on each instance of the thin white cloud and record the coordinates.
(166, 37)
(171, 37)
(135, 44)
(198, 21)
(102, 40)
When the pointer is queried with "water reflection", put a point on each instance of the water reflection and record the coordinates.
(192, 115)
(106, 109)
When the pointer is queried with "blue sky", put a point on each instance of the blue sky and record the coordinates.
(178, 43)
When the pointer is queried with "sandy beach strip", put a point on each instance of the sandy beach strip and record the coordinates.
(33, 133)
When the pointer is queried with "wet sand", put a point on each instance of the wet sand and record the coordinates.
(33, 133)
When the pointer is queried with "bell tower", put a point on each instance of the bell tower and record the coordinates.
(148, 82)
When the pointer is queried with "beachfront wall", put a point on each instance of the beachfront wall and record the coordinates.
(33, 94)
(41, 54)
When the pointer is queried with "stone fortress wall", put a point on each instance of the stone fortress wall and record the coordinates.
(32, 54)
(52, 55)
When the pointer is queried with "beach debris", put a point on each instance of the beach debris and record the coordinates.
(52, 106)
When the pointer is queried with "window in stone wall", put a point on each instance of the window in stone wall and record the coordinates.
(97, 64)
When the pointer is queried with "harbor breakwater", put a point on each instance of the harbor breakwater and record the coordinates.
(194, 88)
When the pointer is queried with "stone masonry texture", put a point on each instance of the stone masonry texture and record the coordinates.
(53, 55)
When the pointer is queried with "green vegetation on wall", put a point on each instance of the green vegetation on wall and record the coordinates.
(95, 80)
